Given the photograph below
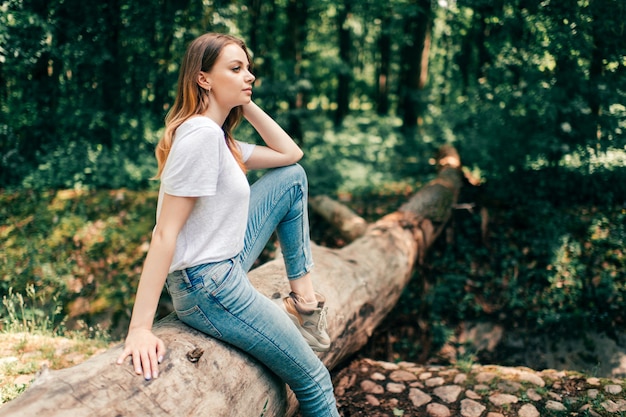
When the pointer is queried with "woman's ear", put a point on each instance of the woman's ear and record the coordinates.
(204, 80)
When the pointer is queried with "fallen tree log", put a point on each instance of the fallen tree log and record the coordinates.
(349, 224)
(204, 377)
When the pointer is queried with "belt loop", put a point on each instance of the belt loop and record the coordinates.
(185, 276)
(182, 275)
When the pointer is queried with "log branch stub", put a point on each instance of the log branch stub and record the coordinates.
(349, 224)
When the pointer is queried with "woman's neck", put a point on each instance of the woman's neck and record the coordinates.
(217, 115)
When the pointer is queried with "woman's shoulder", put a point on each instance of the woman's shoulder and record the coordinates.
(197, 122)
(197, 131)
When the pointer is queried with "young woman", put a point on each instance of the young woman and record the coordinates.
(211, 226)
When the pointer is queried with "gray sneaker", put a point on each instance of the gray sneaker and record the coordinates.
(311, 322)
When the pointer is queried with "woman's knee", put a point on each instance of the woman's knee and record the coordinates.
(293, 173)
(296, 170)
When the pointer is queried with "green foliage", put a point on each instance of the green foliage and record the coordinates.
(360, 155)
(526, 83)
(513, 85)
(531, 94)
(84, 166)
(543, 269)
(587, 278)
(80, 250)
(535, 266)
(88, 85)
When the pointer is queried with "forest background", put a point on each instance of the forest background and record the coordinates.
(532, 94)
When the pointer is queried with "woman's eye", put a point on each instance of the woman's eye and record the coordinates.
(237, 69)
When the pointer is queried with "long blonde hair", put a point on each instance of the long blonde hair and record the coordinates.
(191, 99)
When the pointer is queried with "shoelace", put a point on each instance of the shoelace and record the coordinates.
(322, 324)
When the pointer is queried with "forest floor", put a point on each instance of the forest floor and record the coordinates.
(23, 355)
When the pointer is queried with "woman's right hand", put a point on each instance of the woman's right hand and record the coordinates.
(146, 351)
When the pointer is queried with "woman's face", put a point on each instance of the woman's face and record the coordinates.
(230, 78)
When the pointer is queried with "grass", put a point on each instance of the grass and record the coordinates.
(24, 354)
(30, 342)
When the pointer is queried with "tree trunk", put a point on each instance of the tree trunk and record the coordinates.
(417, 24)
(293, 50)
(202, 376)
(345, 52)
(383, 63)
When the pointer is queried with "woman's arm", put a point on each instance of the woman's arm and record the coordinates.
(281, 150)
(145, 348)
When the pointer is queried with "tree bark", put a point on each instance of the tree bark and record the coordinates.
(202, 376)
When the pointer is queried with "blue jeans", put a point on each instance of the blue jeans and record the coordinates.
(219, 300)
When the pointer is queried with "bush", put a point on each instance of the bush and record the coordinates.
(83, 249)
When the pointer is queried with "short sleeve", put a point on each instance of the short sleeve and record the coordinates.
(245, 149)
(193, 165)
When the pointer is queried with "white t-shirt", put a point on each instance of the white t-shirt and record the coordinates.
(201, 165)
